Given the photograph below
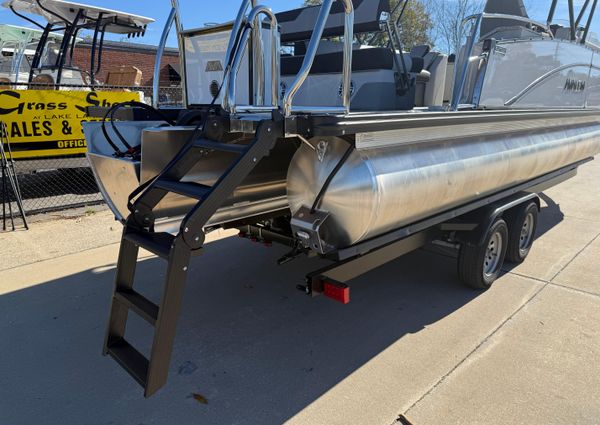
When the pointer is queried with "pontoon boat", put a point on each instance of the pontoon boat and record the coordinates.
(295, 133)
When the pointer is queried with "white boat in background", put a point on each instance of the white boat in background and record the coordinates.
(18, 45)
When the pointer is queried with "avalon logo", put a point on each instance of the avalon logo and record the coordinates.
(214, 66)
(574, 85)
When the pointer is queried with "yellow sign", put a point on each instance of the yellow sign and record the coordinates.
(47, 123)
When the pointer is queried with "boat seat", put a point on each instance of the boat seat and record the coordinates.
(299, 24)
(376, 58)
(505, 7)
(417, 63)
(420, 51)
(449, 85)
(430, 90)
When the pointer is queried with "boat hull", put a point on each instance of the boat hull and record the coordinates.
(262, 192)
(399, 177)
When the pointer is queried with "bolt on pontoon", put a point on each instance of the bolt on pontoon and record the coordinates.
(295, 133)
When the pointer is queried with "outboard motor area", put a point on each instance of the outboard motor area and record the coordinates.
(295, 133)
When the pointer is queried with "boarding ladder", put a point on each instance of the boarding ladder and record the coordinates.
(151, 372)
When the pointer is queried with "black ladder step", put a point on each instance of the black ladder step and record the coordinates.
(189, 189)
(217, 146)
(135, 301)
(156, 243)
(130, 359)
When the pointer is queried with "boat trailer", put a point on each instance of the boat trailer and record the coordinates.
(387, 167)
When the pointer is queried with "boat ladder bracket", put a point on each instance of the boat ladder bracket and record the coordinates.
(266, 136)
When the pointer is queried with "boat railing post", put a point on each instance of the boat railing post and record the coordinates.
(311, 52)
(181, 45)
(233, 46)
(254, 22)
(463, 68)
(159, 55)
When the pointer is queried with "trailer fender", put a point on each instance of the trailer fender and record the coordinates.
(486, 217)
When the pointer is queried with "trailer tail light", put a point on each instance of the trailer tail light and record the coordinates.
(337, 291)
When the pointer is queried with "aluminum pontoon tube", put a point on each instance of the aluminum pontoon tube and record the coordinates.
(384, 188)
(263, 191)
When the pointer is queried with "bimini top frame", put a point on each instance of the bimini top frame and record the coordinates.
(19, 39)
(70, 18)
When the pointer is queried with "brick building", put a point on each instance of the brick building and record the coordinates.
(141, 56)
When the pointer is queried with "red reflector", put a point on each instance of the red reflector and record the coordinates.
(337, 291)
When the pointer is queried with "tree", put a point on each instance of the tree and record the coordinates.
(448, 16)
(414, 25)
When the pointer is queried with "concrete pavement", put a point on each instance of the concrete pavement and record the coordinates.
(413, 341)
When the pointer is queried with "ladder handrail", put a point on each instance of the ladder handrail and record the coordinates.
(174, 18)
(254, 23)
(159, 55)
(311, 53)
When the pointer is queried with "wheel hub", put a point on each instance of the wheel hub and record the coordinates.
(492, 255)
(526, 234)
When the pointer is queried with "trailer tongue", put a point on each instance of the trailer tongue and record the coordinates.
(353, 153)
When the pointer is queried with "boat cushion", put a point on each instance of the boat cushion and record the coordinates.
(420, 51)
(376, 58)
(505, 7)
(299, 24)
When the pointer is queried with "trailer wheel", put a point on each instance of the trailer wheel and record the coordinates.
(522, 227)
(480, 265)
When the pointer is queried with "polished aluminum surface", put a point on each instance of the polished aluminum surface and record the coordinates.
(263, 191)
(159, 55)
(462, 68)
(182, 52)
(543, 73)
(382, 189)
(116, 177)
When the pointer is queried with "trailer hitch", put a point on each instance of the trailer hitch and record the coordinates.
(321, 285)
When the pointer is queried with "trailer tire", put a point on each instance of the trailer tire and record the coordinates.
(522, 226)
(480, 265)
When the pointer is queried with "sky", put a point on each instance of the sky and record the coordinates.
(196, 13)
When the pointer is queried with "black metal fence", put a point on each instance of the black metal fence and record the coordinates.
(53, 184)
(56, 183)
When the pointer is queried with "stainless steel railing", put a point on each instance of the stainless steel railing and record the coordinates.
(311, 52)
(249, 25)
(254, 28)
(462, 64)
(174, 18)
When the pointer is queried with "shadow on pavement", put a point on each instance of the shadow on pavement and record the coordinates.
(550, 216)
(248, 341)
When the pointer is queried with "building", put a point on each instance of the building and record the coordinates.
(142, 56)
